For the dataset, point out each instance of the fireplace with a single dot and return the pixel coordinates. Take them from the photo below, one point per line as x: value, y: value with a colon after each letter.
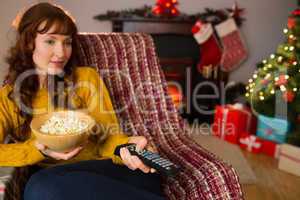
x: 178, y: 55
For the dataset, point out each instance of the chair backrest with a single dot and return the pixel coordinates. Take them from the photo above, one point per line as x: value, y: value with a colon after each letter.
x: 129, y: 66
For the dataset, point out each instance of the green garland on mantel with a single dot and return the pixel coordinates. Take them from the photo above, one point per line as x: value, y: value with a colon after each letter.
x: 145, y: 13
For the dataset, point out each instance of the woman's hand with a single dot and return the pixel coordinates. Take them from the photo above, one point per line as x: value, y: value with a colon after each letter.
x: 133, y: 162
x: 58, y: 155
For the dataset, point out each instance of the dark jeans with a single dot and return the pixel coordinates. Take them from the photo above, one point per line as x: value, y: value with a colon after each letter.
x: 93, y: 180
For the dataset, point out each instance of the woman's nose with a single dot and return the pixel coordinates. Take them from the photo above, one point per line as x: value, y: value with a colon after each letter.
x: 60, y: 51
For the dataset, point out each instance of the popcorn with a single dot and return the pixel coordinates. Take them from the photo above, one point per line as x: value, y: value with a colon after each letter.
x: 61, y: 124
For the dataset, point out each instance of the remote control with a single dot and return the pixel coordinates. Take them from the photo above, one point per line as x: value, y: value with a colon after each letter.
x: 164, y: 166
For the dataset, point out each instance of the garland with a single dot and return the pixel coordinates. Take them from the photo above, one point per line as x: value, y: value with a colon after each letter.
x: 145, y: 13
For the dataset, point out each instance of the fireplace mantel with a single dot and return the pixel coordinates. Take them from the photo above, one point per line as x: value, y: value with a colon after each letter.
x: 151, y: 26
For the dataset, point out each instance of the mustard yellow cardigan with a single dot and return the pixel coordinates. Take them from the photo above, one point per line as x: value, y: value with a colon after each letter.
x: 91, y: 94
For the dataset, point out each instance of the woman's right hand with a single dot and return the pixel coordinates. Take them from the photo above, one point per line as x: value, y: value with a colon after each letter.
x: 58, y: 155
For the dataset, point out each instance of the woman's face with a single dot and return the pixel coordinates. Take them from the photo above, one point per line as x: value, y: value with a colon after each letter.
x: 52, y: 51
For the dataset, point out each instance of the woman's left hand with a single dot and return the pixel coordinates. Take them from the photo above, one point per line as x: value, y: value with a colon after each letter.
x: 133, y: 162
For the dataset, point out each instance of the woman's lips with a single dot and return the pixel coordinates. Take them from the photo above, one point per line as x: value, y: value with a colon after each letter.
x: 57, y: 63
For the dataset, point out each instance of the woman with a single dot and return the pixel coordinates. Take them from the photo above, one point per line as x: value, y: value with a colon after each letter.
x: 42, y: 61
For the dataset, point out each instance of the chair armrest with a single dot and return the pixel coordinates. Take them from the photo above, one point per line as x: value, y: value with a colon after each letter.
x: 203, y: 175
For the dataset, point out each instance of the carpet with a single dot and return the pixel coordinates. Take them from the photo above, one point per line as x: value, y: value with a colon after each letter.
x: 229, y: 153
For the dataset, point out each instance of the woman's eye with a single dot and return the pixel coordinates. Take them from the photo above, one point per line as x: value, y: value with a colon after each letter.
x: 50, y: 42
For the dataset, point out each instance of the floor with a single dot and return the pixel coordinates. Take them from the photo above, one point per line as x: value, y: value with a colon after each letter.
x: 272, y: 183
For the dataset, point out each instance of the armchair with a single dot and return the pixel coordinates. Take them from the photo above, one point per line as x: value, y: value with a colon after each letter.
x: 129, y: 66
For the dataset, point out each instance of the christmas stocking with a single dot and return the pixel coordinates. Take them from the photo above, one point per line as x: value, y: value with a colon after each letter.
x: 233, y: 45
x: 210, y: 50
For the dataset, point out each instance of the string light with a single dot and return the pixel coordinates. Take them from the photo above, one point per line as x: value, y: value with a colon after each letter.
x: 291, y: 48
x: 247, y: 94
x: 286, y: 76
x: 285, y: 30
x: 247, y: 87
x: 261, y: 98
x: 291, y: 36
x: 282, y: 88
x: 280, y: 58
x: 265, y: 68
x: 272, y: 56
x: 295, y: 63
x: 251, y: 90
x: 268, y: 76
x: 295, y: 89
x: 254, y: 76
x: 272, y: 91
x: 264, y: 61
x: 269, y: 66
x: 261, y: 93
x: 276, y: 78
x: 286, y: 48
x: 250, y: 80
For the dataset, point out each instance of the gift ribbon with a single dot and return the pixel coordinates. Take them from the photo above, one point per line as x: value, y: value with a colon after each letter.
x: 269, y: 131
x: 277, y: 151
x: 226, y: 110
x: 223, y: 124
x: 242, y: 108
x: 250, y: 142
x: 290, y: 157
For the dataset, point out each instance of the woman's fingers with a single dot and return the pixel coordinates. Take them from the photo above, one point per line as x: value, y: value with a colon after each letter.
x: 126, y: 157
x: 140, y: 141
x: 40, y: 146
x: 58, y: 155
x: 68, y: 155
x: 140, y: 165
x: 133, y: 162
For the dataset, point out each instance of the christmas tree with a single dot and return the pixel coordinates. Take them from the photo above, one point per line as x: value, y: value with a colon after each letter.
x: 166, y: 8
x: 275, y: 84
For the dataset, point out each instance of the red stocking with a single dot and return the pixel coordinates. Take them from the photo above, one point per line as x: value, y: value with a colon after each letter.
x: 210, y: 50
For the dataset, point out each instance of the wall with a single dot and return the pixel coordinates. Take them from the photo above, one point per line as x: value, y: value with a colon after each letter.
x: 262, y: 30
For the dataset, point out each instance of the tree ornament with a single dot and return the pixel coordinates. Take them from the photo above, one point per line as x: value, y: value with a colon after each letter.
x: 235, y: 11
x: 296, y: 12
x: 282, y: 80
x: 166, y: 8
x: 264, y: 82
x: 288, y: 96
x: 291, y: 22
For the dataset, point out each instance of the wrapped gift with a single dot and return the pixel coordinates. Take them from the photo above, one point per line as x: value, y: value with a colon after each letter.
x: 274, y: 129
x: 289, y: 159
x: 270, y: 148
x: 230, y: 121
x: 251, y: 143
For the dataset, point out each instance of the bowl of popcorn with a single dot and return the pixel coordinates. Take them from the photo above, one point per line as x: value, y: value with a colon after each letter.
x: 62, y: 131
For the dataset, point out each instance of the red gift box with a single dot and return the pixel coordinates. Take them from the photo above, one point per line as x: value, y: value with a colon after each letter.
x: 231, y: 120
x: 271, y: 148
x: 251, y: 143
